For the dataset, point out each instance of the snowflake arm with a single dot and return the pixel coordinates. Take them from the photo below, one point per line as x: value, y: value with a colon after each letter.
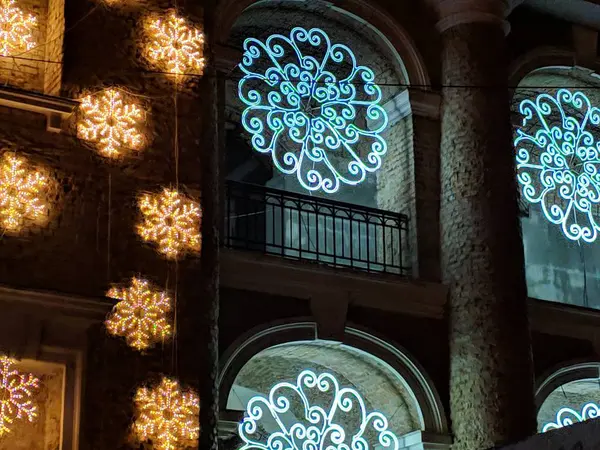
x: 16, y: 395
x: 141, y: 316
x: 172, y: 222
x: 167, y: 415
x: 21, y: 194
x: 111, y: 122
x: 16, y: 29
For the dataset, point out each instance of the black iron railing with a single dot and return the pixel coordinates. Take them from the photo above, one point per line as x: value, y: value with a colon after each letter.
x: 311, y: 228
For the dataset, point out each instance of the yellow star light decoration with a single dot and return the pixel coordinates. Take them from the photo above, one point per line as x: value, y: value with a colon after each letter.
x: 167, y: 415
x: 175, y: 45
x: 172, y: 221
x: 112, y: 122
x: 16, y: 29
x: 22, y: 194
x: 16, y: 395
x: 142, y: 315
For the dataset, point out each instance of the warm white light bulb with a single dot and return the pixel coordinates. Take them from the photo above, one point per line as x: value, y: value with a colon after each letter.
x: 175, y: 45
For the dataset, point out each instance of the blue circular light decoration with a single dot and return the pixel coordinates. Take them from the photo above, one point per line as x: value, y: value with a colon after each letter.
x: 314, y: 413
x: 558, y: 159
x: 312, y: 108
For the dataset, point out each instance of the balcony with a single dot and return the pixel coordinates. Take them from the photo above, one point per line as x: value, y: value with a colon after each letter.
x: 309, y: 228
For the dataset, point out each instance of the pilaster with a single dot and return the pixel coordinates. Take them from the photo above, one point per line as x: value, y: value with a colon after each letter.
x: 491, y: 379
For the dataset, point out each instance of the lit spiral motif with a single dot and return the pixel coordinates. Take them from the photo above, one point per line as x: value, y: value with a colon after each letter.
x: 339, y: 421
x: 312, y: 108
x: 568, y: 416
x: 558, y: 158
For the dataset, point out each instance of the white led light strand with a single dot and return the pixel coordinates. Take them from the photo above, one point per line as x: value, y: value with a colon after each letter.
x: 319, y: 428
x: 312, y: 108
x: 568, y: 416
x: 558, y: 157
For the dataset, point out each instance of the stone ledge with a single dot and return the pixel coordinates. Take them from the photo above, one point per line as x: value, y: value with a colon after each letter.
x: 253, y: 271
x: 54, y: 108
x: 52, y: 304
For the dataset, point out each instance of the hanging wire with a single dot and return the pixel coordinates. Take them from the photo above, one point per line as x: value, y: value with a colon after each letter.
x: 109, y: 227
x: 429, y: 86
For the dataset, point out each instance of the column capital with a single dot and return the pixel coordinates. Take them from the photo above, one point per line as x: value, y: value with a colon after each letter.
x: 456, y: 12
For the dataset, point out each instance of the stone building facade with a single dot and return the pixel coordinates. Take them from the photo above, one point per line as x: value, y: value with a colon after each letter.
x: 413, y: 288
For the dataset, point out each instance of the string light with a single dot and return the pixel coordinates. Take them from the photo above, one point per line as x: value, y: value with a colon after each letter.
x: 16, y: 395
x: 16, y: 29
x: 175, y: 46
x: 21, y: 194
x: 141, y: 317
x: 167, y: 415
x: 172, y: 221
x: 112, y: 122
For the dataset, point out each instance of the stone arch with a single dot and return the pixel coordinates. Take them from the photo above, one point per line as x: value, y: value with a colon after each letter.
x: 568, y: 385
x: 406, y: 370
x: 392, y: 33
x: 538, y: 58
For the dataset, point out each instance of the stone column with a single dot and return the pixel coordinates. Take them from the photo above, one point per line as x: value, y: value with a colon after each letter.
x: 491, y: 375
x: 209, y: 273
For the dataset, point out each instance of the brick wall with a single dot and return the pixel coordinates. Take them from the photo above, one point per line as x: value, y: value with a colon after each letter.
x: 55, y: 29
x: 27, y: 70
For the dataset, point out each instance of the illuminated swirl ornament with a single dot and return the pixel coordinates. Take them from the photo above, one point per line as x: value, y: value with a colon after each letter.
x: 16, y: 29
x: 167, y: 415
x: 558, y: 158
x: 313, y: 108
x: 16, y: 395
x: 568, y: 416
x: 338, y: 420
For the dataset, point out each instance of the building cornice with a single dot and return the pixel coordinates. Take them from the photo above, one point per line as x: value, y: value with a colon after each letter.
x: 452, y: 13
x: 52, y: 304
x: 54, y: 108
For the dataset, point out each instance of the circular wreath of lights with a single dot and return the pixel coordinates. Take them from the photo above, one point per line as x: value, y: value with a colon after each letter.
x: 313, y: 108
x: 558, y: 159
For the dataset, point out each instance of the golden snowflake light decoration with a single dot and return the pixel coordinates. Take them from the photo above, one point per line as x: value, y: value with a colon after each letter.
x: 16, y: 29
x: 23, y: 192
x: 112, y: 121
x: 176, y: 46
x: 167, y: 415
x: 16, y: 395
x: 142, y: 315
x: 171, y: 221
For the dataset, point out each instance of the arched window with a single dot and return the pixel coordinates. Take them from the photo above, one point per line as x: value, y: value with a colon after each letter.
x: 318, y: 112
x: 556, y: 119
x: 321, y: 391
x: 568, y: 396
